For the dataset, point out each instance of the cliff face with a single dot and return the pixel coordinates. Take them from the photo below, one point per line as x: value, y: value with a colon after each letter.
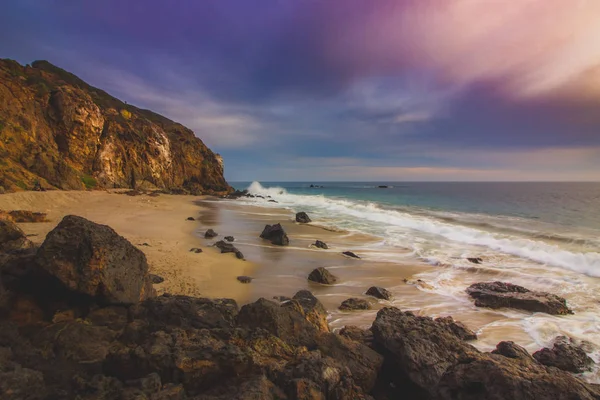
x: 57, y: 130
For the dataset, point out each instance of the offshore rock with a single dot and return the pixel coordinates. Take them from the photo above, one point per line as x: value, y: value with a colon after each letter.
x: 501, y: 294
x: 566, y: 355
x: 57, y: 131
x: 321, y: 275
x: 379, y: 293
x: 303, y: 218
x: 94, y: 260
x: 355, y: 304
x: 320, y: 245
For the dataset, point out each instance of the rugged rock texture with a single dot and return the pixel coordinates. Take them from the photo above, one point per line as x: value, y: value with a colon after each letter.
x: 458, y: 328
x: 303, y: 218
x: 355, y: 304
x: 566, y: 355
x: 321, y: 275
x: 56, y: 131
x: 88, y: 258
x: 12, y: 237
x: 275, y: 234
x: 379, y: 293
x: 209, y: 234
x: 501, y: 294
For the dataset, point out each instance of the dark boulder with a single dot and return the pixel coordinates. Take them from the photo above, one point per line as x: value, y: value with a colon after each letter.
x: 191, y: 218
x: 458, y: 328
x: 512, y: 350
x: 156, y: 279
x: 225, y: 247
x: 311, y: 309
x: 321, y: 275
x: 196, y: 250
x: 350, y: 254
x: 353, y: 304
x: 94, y: 260
x: 287, y: 323
x: 379, y: 293
x: 12, y: 237
x: 239, y: 255
x: 229, y: 238
x: 209, y: 234
x: 475, y: 260
x: 275, y: 234
x: 500, y: 294
x: 566, y: 355
x: 244, y: 279
x: 320, y: 245
x: 303, y: 218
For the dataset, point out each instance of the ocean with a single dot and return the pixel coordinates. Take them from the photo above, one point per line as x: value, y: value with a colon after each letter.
x: 541, y: 235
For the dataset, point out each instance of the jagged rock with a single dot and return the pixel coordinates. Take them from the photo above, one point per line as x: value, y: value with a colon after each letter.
x: 358, y: 335
x: 320, y: 245
x: 355, y: 304
x: 284, y: 322
x: 379, y: 293
x: 458, y: 328
x: 321, y: 275
x: 229, y: 238
x: 209, y: 234
x: 418, y: 351
x: 566, y: 355
x: 350, y: 254
x: 12, y: 237
x: 275, y: 234
x: 94, y: 260
x: 512, y: 350
x: 475, y: 260
x: 303, y: 218
x: 311, y: 308
x: 156, y: 279
x: 244, y: 279
x: 237, y: 194
x: 87, y: 139
x: 500, y: 294
x: 196, y: 250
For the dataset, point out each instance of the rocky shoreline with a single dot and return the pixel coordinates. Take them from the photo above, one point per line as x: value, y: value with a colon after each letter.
x: 79, y: 319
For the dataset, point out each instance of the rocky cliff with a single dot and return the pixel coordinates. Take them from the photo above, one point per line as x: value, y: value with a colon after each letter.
x: 60, y: 132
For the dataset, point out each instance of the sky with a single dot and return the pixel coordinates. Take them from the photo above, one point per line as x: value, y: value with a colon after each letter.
x: 362, y: 90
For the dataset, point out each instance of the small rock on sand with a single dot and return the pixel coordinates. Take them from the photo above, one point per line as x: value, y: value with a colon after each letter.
x: 321, y: 275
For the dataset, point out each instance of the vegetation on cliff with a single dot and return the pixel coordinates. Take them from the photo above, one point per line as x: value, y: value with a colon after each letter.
x: 60, y: 132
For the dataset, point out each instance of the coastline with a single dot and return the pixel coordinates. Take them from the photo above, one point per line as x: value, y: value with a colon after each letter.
x: 160, y: 222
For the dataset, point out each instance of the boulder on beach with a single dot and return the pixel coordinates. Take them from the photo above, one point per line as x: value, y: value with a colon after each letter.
x: 209, y: 234
x: 350, y: 254
x: 93, y: 259
x: 275, y: 234
x: 12, y: 237
x: 311, y: 308
x: 229, y: 238
x: 566, y: 355
x: 320, y: 245
x: 379, y: 293
x: 303, y: 218
x: 501, y: 294
x: 321, y: 275
x: 354, y: 303
x: 190, y: 219
x: 239, y: 255
x: 225, y: 247
x: 244, y: 279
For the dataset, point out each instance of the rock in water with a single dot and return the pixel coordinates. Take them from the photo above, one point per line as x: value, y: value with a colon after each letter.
x: 475, y: 260
x: 229, y: 238
x: 225, y: 247
x: 320, y: 245
x: 353, y: 304
x: 303, y: 218
x: 275, y: 234
x: 565, y: 355
x: 93, y: 259
x: 209, y: 234
x: 311, y: 308
x: 379, y: 293
x: 350, y: 254
x: 501, y: 294
x: 458, y: 328
x: 12, y: 237
x: 321, y: 275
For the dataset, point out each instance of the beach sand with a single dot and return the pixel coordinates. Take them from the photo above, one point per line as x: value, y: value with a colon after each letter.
x: 160, y: 222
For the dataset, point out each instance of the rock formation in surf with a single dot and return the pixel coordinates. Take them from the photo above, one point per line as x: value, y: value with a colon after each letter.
x: 56, y: 131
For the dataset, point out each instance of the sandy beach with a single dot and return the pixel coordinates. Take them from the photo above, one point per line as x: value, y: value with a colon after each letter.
x: 156, y: 225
